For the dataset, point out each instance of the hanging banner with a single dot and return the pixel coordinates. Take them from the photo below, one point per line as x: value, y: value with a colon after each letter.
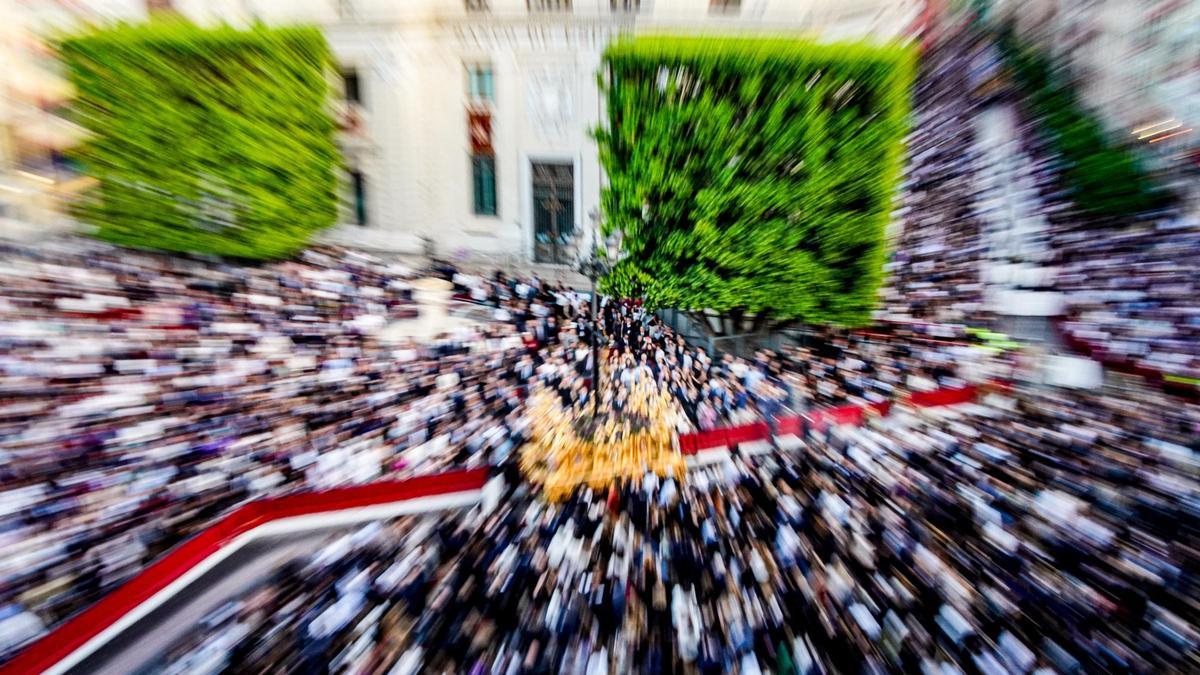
x: 480, y: 124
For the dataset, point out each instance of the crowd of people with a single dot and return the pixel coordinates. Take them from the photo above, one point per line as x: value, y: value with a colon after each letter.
x: 985, y: 208
x: 935, y: 267
x: 824, y: 369
x: 143, y: 395
x: 1045, y: 531
x: 1130, y: 291
x: 146, y: 395
x: 1135, y: 297
x: 1130, y: 294
x: 1039, y: 532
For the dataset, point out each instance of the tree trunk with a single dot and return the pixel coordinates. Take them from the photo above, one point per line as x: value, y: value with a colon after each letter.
x: 735, y: 319
x: 784, y: 325
x: 703, y: 321
x: 760, y: 320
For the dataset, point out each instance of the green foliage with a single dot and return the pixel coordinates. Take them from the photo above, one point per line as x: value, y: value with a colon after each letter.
x: 1105, y: 181
x: 753, y: 176
x: 205, y: 140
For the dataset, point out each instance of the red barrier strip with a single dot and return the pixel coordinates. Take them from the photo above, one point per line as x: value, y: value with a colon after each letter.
x: 938, y: 397
x: 703, y: 440
x: 690, y: 444
x: 883, y: 337
x: 59, y: 643
x: 107, y: 315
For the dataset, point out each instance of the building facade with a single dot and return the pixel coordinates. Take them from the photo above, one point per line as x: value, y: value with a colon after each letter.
x: 33, y: 175
x: 467, y: 123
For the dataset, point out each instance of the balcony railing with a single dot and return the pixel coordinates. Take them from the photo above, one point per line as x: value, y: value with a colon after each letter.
x: 549, y: 5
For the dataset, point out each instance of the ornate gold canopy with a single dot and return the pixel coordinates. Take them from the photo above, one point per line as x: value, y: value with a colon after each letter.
x: 572, y: 447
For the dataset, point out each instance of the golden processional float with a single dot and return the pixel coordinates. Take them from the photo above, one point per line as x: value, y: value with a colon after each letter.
x: 575, y: 446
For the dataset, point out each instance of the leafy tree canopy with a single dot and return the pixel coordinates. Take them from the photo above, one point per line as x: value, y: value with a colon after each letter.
x: 205, y: 140
x: 753, y: 176
x: 1106, y: 181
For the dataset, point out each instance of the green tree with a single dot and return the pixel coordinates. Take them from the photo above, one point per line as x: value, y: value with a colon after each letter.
x: 205, y: 140
x: 753, y: 177
x: 1106, y: 182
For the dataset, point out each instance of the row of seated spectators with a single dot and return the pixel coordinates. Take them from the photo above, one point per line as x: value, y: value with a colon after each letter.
x: 1132, y: 290
x: 1134, y: 296
x: 1034, y: 532
x: 143, y: 395
x: 934, y: 270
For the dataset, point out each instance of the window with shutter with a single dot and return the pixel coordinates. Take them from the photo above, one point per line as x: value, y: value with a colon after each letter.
x: 483, y: 170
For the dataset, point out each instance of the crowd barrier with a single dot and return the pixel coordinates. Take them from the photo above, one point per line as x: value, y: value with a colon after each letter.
x: 55, y: 647
x: 110, y: 314
x: 690, y: 444
x: 944, y: 396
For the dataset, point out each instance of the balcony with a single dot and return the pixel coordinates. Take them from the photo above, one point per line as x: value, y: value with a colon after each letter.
x: 549, y: 6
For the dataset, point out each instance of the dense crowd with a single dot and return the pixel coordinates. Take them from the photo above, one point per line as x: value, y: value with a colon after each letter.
x: 985, y: 208
x: 1135, y: 296
x: 143, y: 395
x: 817, y: 370
x: 934, y: 270
x: 1045, y: 531
x: 978, y: 541
x: 1041, y: 532
x: 146, y: 395
x: 822, y: 369
x: 1130, y: 292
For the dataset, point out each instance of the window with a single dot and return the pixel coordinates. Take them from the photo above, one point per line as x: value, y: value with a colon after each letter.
x: 483, y: 172
x: 351, y: 86
x: 359, y: 187
x: 479, y: 82
x: 625, y: 5
x: 477, y: 5
x: 724, y: 6
x: 553, y: 191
